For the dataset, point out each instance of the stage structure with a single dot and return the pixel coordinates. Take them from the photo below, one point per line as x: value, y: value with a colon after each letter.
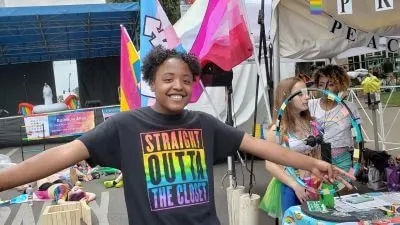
x: 32, y: 37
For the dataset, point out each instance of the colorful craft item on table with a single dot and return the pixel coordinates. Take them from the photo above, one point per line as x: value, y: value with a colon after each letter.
x: 71, y: 101
x: 315, y: 183
x: 327, y: 196
x: 25, y: 109
x: 289, y: 220
x: 316, y: 7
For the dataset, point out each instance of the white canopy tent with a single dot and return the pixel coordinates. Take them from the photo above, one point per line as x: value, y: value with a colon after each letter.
x: 302, y: 35
x: 307, y: 36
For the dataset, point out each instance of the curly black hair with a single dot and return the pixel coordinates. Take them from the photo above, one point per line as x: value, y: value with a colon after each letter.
x: 335, y: 72
x: 159, y: 54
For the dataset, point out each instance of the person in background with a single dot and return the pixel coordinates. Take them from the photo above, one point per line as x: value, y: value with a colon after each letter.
x: 296, y: 125
x: 333, y: 117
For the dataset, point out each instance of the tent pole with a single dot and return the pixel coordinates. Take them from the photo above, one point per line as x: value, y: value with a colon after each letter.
x: 277, y: 63
x: 263, y: 78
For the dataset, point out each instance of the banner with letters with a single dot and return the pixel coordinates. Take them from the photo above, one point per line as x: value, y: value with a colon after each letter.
x: 346, y: 6
x: 59, y: 124
x: 340, y: 29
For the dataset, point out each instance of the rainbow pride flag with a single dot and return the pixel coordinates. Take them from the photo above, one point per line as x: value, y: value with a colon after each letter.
x: 129, y: 74
x: 25, y: 109
x: 316, y: 7
x: 71, y: 101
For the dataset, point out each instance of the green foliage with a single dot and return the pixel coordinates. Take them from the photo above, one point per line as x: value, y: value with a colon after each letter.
x: 171, y: 8
x: 394, y: 99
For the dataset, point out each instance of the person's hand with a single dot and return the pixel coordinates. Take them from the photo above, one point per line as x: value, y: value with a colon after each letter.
x: 88, y: 177
x: 301, y: 193
x: 329, y: 173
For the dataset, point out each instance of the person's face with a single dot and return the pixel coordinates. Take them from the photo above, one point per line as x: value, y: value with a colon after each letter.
x: 328, y: 84
x: 300, y: 101
x: 172, y: 85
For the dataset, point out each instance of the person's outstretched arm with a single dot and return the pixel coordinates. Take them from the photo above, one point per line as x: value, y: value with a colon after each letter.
x: 277, y: 154
x: 44, y: 164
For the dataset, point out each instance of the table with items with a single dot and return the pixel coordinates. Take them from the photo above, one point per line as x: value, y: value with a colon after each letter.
x: 377, y: 208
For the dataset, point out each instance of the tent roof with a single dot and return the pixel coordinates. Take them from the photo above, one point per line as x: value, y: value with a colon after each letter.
x: 51, y: 33
x: 306, y: 36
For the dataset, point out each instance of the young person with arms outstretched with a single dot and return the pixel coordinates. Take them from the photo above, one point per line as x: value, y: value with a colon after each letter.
x: 165, y: 152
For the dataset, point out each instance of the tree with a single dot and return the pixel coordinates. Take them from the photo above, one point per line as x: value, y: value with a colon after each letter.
x: 171, y: 8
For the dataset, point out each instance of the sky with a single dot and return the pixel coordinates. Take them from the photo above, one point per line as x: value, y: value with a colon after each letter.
x: 62, y: 69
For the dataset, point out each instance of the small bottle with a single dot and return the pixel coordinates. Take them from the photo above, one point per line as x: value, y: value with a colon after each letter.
x: 29, y: 192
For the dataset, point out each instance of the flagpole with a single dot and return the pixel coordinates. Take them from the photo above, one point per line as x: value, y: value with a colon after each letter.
x: 209, y: 99
x: 266, y: 99
x: 277, y: 60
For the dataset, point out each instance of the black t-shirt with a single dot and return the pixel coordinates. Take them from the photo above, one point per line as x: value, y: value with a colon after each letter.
x: 166, y: 161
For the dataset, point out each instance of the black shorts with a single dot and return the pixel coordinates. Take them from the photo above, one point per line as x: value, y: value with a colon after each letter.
x: 46, y: 185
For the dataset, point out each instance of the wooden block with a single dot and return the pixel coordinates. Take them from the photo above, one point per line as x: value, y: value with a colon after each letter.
x: 68, y: 218
x: 86, y: 213
x: 65, y: 214
x: 69, y: 213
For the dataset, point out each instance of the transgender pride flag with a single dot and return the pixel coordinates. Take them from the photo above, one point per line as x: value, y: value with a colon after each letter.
x: 129, y: 74
x: 156, y: 29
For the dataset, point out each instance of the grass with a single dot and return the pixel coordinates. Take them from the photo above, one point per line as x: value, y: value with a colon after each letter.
x: 394, y: 99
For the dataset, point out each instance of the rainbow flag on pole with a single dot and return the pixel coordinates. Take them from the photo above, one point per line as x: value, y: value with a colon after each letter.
x: 316, y: 7
x: 129, y: 74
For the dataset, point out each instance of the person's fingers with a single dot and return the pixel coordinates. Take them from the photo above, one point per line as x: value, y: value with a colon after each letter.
x: 299, y: 197
x: 317, y: 173
x: 339, y: 171
x: 343, y: 181
x: 307, y: 195
x: 330, y: 173
x: 311, y: 190
x: 326, y: 179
